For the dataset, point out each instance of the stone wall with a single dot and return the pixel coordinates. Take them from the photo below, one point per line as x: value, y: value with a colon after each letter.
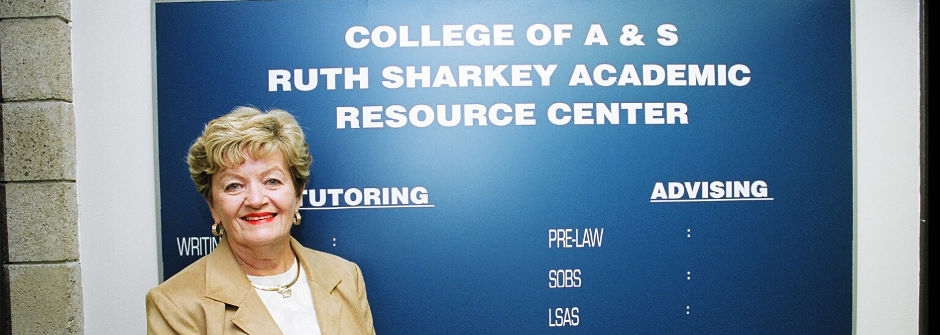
x: 40, y: 291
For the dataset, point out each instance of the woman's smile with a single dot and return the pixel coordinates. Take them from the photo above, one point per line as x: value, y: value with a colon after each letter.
x: 259, y: 218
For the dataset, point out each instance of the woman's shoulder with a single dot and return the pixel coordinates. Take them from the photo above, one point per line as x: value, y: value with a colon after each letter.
x: 182, y: 304
x: 189, y: 282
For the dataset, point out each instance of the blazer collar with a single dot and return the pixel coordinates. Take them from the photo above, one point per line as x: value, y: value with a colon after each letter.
x: 322, y: 281
x: 227, y: 283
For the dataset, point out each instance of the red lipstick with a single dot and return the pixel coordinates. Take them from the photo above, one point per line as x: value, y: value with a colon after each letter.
x: 259, y: 218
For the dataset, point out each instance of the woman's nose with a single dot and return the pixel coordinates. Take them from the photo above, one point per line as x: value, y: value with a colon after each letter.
x: 255, y: 196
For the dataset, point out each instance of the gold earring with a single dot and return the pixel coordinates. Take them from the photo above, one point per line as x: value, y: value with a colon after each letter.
x: 297, y: 218
x: 217, y: 229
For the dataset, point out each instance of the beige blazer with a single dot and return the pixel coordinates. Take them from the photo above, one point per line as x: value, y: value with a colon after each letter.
x: 213, y: 296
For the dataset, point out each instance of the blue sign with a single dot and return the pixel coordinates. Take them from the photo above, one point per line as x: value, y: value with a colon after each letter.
x: 650, y: 167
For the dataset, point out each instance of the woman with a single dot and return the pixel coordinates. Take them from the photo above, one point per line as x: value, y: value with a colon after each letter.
x: 252, y: 167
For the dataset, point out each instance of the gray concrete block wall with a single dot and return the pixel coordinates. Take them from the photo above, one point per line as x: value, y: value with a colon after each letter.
x: 36, y: 59
x: 44, y: 298
x: 40, y: 281
x: 38, y: 141
x: 36, y: 8
x: 41, y: 221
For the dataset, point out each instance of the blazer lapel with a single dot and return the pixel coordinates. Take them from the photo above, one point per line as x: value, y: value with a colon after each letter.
x: 322, y: 281
x: 225, y: 282
x: 253, y: 318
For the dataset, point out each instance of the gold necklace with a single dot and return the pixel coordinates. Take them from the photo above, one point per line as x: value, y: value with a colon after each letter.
x: 284, y: 290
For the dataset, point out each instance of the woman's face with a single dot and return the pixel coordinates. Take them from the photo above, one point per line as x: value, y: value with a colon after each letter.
x: 255, y: 201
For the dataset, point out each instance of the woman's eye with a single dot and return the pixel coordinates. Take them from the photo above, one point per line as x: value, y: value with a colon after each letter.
x: 273, y: 182
x: 232, y: 187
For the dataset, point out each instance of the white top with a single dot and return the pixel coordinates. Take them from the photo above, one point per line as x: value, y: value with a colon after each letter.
x: 294, y: 314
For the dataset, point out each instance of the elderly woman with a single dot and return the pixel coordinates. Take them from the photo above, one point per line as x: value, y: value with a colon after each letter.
x: 251, y: 167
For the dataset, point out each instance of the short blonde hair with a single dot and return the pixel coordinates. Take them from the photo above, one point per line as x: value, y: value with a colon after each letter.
x: 259, y: 134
